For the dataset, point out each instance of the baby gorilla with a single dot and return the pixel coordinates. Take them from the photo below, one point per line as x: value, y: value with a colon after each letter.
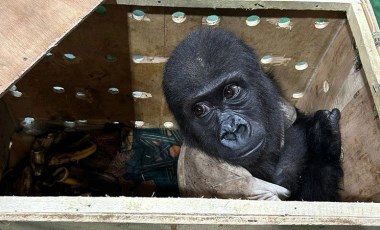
x: 229, y: 108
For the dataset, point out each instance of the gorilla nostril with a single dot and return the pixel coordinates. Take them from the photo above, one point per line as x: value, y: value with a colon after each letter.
x: 229, y: 136
x: 241, y: 129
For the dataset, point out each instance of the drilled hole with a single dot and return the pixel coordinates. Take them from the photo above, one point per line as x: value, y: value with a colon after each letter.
x: 137, y: 58
x: 82, y: 122
x: 27, y: 121
x: 110, y: 58
x: 302, y: 65
x: 139, y: 123
x: 58, y: 89
x: 113, y: 90
x: 69, y: 56
x: 80, y: 95
x: 178, y: 17
x: 267, y: 59
x: 100, y: 9
x: 138, y: 15
x: 212, y: 20
x: 16, y: 93
x: 168, y: 125
x: 69, y: 124
x: 139, y: 94
x: 252, y: 20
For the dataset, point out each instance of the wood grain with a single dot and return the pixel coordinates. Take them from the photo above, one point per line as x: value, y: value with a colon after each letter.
x: 187, y: 211
x: 30, y: 28
x: 116, y: 33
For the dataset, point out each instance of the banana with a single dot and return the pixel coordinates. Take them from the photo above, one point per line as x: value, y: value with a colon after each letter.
x: 73, y: 156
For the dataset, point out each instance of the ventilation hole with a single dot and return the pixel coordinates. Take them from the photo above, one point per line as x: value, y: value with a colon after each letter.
x: 13, y: 88
x: 252, y: 20
x: 139, y: 94
x: 321, y: 23
x: 302, y: 65
x: 27, y: 121
x: 48, y: 54
x: 16, y: 93
x: 100, y: 9
x: 69, y: 56
x: 138, y: 15
x: 113, y: 90
x: 284, y: 22
x: 326, y: 86
x: 212, y: 20
x: 267, y: 59
x: 139, y: 123
x: 82, y: 122
x: 168, y: 125
x: 69, y: 124
x: 297, y: 95
x: 178, y: 17
x: 110, y: 58
x: 80, y: 95
x: 137, y: 58
x: 58, y: 89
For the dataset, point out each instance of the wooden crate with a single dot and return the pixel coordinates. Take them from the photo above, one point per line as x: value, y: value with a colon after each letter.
x: 104, y: 45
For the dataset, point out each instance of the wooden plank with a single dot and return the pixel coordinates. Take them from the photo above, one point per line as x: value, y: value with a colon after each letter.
x: 6, y: 225
x: 186, y: 211
x: 28, y: 29
x: 335, y: 5
x: 367, y: 50
x: 360, y: 144
x: 329, y: 76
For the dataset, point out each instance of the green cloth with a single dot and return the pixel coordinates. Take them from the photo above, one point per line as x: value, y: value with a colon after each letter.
x: 376, y: 8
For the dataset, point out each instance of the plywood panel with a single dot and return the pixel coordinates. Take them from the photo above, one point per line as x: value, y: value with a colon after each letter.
x: 360, y: 130
x: 29, y: 28
x: 115, y: 32
x: 331, y: 72
x: 91, y: 73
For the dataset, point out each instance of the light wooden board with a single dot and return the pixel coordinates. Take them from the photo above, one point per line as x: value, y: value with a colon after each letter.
x: 367, y: 50
x: 6, y: 225
x: 30, y: 28
x: 187, y: 211
x: 337, y: 5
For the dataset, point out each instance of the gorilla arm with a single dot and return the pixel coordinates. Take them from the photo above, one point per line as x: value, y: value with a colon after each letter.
x: 200, y: 175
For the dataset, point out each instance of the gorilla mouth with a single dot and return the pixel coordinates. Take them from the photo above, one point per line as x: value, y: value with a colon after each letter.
x: 251, y: 151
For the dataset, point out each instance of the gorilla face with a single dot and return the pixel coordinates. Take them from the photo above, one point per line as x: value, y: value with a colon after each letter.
x: 223, y: 102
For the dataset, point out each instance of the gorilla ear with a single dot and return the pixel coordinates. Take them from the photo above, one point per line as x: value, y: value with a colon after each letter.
x: 289, y: 113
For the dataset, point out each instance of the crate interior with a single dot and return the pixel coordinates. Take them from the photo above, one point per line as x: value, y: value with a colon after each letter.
x: 95, y: 67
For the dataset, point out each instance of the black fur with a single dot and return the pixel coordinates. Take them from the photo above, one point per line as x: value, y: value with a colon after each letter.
x: 245, y: 128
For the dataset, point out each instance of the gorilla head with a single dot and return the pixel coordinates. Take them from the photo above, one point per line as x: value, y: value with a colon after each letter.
x: 223, y: 102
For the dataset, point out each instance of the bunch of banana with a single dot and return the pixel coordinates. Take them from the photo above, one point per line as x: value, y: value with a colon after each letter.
x: 63, y: 158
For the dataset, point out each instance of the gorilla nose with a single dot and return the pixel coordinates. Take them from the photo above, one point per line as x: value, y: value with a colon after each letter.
x: 233, y: 129
x: 228, y: 135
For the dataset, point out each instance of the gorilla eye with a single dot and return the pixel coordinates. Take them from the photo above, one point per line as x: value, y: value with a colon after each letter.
x: 200, y: 110
x: 230, y: 91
